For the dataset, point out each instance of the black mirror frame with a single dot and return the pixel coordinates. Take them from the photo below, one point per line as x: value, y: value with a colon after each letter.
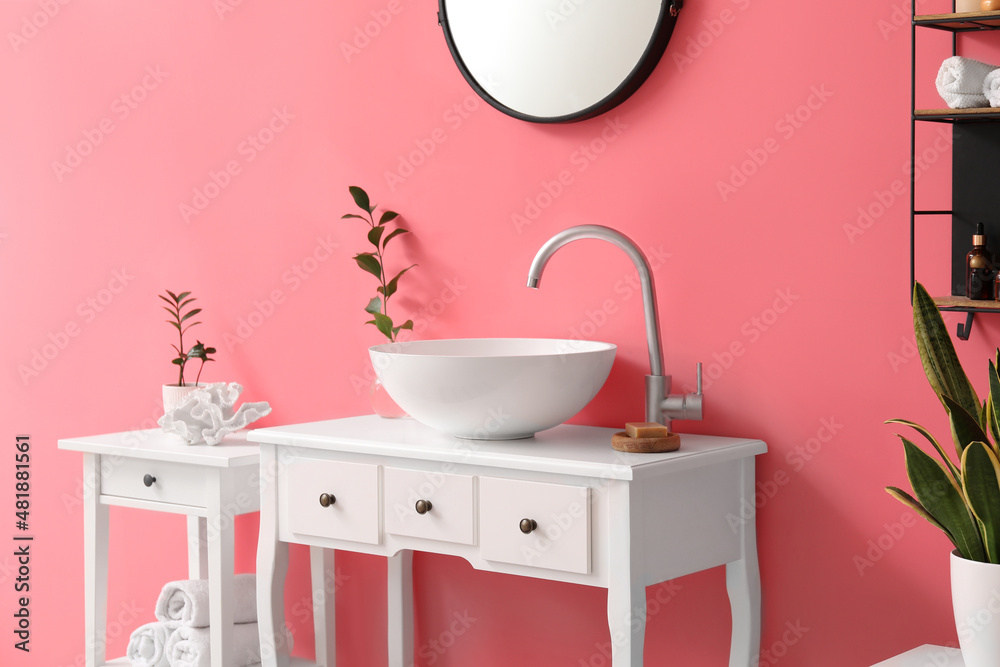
x: 665, y: 23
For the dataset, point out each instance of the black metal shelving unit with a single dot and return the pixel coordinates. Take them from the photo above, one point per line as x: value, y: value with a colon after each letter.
x: 975, y: 157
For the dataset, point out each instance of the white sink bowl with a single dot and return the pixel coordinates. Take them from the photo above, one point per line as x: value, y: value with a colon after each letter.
x: 493, y: 388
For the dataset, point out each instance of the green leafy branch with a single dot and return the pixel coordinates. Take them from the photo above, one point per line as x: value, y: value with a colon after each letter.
x: 374, y: 263
x: 178, y: 305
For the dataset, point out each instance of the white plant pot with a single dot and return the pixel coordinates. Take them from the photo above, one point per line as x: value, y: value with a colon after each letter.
x: 172, y: 394
x: 975, y: 595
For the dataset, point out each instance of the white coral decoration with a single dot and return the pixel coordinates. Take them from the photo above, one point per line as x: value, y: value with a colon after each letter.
x: 206, y: 414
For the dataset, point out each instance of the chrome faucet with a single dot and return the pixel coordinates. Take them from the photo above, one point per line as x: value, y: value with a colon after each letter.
x: 661, y: 405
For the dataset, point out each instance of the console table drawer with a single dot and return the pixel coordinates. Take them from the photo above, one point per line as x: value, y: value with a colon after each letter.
x: 333, y: 500
x: 168, y: 482
x: 432, y: 505
x: 557, y: 516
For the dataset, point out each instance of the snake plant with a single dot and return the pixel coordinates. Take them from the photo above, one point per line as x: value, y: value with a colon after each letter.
x: 961, y: 496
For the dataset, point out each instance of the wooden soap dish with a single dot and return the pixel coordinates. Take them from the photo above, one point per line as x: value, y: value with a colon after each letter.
x: 623, y: 443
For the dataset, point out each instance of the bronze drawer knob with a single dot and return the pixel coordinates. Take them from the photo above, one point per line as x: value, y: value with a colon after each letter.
x: 528, y: 525
x: 423, y: 506
x: 327, y: 499
x: 148, y: 480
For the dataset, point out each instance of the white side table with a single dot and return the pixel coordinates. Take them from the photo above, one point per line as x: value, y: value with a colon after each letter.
x: 155, y: 471
x: 926, y: 656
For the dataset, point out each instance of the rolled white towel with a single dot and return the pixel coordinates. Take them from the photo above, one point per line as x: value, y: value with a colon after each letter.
x: 186, y: 602
x: 147, y: 646
x: 991, y: 88
x: 960, y: 82
x: 191, y: 647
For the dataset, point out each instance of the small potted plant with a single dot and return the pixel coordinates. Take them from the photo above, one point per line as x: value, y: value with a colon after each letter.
x: 960, y: 495
x: 181, y: 312
x: 373, y: 262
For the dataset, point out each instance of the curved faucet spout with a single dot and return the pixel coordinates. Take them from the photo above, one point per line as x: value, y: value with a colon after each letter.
x: 639, y: 259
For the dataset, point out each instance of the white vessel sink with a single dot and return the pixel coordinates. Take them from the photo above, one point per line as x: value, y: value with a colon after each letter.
x: 493, y: 388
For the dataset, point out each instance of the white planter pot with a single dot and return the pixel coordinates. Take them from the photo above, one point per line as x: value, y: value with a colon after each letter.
x: 172, y: 394
x: 975, y: 595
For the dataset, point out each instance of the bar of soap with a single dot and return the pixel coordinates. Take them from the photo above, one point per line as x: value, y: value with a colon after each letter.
x: 646, y: 430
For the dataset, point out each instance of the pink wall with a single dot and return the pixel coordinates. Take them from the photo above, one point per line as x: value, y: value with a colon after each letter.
x: 781, y: 270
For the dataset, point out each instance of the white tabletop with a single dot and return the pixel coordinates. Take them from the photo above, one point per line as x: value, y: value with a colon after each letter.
x: 926, y: 656
x: 154, y: 444
x: 579, y: 450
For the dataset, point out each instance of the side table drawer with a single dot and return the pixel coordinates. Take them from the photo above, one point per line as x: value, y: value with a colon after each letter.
x: 177, y: 483
x: 432, y: 505
x: 332, y: 499
x: 559, y: 536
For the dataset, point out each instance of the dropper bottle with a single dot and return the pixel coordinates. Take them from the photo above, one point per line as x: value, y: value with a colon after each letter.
x: 979, y: 268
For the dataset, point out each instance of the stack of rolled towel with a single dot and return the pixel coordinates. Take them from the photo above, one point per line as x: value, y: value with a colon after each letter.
x: 964, y: 83
x: 180, y: 636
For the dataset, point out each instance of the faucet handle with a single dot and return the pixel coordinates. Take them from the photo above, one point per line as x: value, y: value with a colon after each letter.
x: 684, y: 406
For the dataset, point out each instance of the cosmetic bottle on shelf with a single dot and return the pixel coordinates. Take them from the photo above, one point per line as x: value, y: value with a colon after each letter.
x: 979, y: 268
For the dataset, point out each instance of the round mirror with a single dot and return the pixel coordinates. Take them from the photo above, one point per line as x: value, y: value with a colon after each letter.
x: 555, y: 61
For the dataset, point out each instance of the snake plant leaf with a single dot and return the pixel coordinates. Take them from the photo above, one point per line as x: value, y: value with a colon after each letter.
x: 390, y: 288
x: 937, y: 353
x: 993, y: 403
x: 914, y: 504
x: 395, y: 232
x: 387, y: 216
x: 964, y: 427
x: 930, y: 438
x: 369, y: 263
x: 936, y: 492
x: 361, y: 198
x: 981, y: 483
x: 374, y: 306
x: 375, y: 235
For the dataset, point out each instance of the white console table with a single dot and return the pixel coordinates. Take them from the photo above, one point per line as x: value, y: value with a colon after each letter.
x: 926, y: 656
x: 152, y: 470
x: 562, y: 506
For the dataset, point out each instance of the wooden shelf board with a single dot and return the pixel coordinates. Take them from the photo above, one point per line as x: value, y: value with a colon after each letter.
x: 965, y: 21
x: 944, y: 113
x: 962, y: 303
